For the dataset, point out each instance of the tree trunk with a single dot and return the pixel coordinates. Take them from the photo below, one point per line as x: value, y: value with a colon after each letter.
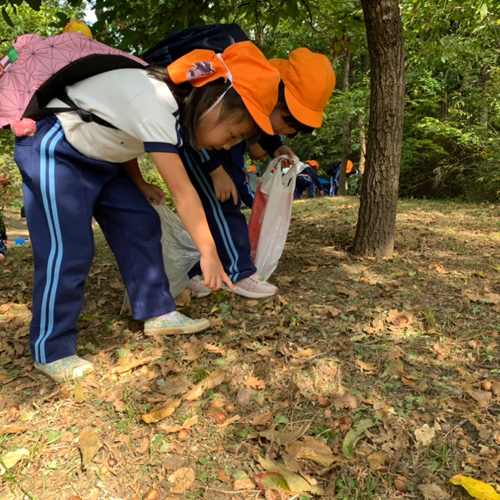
x: 377, y: 213
x: 346, y: 131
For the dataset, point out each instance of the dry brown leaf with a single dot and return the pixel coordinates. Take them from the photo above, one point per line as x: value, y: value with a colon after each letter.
x: 12, y: 429
x: 223, y: 477
x: 283, y: 438
x: 425, y: 434
x: 347, y: 401
x: 182, y: 480
x: 193, y: 351
x: 377, y: 460
x: 255, y: 383
x: 313, y: 449
x: 263, y: 419
x: 88, y: 442
x: 162, y: 412
x: 305, y: 353
x: 130, y: 365
x: 244, y: 483
x: 215, y: 379
x: 366, y: 367
x: 433, y: 492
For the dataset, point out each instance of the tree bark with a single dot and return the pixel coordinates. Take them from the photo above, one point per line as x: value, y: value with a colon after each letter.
x: 377, y: 213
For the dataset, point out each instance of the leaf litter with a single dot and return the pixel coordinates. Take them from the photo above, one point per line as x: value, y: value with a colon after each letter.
x: 361, y: 379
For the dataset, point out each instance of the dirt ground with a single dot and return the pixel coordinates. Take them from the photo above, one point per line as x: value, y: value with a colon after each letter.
x: 360, y: 380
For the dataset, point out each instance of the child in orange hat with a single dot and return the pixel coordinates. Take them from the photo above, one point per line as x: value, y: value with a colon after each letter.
x: 307, y: 82
x: 73, y: 170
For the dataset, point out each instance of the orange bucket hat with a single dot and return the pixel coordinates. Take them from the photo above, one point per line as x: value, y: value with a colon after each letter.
x: 245, y: 66
x: 309, y: 82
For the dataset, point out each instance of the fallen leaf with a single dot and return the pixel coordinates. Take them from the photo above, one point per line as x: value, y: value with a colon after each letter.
x: 245, y: 483
x: 12, y: 429
x: 88, y: 442
x: 255, y: 383
x: 162, y: 412
x: 215, y: 379
x: 296, y: 483
x: 433, y: 492
x: 283, y: 438
x: 353, y: 436
x: 377, y: 460
x: 476, y: 488
x: 12, y: 458
x: 347, y: 401
x: 182, y: 480
x: 426, y: 434
x: 267, y: 480
x: 311, y: 449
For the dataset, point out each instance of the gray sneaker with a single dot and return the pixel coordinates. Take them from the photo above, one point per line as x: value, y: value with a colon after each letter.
x: 197, y: 288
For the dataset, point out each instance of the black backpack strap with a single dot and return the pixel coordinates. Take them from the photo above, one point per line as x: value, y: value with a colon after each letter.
x: 86, y: 116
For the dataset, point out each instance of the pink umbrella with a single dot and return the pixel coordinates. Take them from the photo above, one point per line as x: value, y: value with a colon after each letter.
x: 39, y: 59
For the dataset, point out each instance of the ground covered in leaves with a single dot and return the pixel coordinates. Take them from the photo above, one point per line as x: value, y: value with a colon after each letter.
x: 362, y: 379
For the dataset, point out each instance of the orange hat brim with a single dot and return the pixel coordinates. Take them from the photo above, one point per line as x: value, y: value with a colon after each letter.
x: 302, y: 113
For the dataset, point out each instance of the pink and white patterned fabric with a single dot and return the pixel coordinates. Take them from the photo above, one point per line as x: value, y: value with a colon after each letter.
x: 38, y: 60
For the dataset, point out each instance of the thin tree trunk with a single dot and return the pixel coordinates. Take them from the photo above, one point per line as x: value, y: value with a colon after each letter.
x: 377, y: 213
x: 346, y: 131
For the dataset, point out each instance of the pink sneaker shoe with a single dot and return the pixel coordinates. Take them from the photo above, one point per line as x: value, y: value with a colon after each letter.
x: 196, y: 287
x: 253, y: 287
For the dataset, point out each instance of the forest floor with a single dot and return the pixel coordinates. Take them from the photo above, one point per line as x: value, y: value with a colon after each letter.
x: 361, y: 380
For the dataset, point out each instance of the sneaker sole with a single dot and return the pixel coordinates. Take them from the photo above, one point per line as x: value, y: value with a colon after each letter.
x: 77, y: 373
x: 249, y: 295
x: 180, y: 330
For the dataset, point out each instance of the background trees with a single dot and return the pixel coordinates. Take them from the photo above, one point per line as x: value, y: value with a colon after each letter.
x: 451, y: 142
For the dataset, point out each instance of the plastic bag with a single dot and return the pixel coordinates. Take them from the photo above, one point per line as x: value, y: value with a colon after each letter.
x: 271, y: 213
x: 179, y: 253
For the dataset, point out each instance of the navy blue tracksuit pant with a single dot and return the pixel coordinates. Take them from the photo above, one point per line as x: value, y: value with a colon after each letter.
x: 63, y: 190
x: 227, y: 223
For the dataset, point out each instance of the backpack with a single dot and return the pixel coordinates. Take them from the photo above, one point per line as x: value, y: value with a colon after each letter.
x: 216, y: 37
x: 36, y: 70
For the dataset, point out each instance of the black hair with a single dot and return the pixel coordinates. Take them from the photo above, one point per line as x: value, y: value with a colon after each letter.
x: 289, y: 119
x: 194, y: 101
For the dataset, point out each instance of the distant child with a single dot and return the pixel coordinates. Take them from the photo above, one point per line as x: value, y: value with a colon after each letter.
x: 3, y: 239
x: 74, y: 170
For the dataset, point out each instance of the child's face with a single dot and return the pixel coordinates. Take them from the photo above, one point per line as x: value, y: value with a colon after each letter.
x: 214, y: 134
x: 280, y: 127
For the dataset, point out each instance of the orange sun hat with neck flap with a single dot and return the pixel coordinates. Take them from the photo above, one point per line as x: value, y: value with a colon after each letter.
x: 309, y: 82
x: 245, y: 66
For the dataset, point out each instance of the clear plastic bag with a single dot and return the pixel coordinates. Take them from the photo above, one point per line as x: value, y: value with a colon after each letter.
x: 271, y: 214
x: 179, y: 253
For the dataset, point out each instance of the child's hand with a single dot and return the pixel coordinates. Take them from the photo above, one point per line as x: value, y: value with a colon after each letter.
x: 154, y: 194
x: 285, y: 150
x: 213, y: 273
x: 223, y: 185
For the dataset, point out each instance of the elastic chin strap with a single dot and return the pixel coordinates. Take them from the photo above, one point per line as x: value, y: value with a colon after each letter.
x: 229, y: 76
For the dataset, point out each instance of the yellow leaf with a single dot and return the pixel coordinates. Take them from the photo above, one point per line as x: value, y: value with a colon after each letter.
x: 475, y: 488
x: 10, y: 459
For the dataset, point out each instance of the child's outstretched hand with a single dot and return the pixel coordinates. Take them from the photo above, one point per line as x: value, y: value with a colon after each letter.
x: 214, y: 274
x: 154, y: 194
